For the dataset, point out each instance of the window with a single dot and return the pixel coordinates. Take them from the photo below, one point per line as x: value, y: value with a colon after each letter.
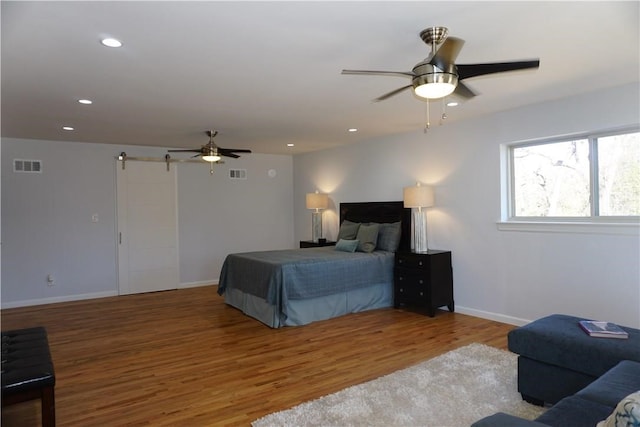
x: 579, y: 178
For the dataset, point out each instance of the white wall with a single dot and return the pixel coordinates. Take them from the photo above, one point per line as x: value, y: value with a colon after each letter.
x: 513, y: 276
x: 47, y: 227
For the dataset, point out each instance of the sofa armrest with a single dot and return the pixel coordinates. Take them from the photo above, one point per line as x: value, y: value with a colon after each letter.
x: 505, y: 420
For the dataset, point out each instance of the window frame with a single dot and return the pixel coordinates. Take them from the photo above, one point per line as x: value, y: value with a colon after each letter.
x: 550, y: 223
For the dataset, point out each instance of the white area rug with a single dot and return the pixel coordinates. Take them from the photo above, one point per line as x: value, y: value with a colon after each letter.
x: 454, y: 389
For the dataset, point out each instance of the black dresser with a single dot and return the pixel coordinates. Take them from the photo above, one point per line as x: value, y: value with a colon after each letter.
x: 423, y: 280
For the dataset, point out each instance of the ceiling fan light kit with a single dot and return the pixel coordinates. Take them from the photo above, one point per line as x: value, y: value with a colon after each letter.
x: 211, y: 155
x: 434, y: 84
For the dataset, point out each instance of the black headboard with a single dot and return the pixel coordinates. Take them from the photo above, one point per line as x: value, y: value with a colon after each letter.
x: 380, y: 212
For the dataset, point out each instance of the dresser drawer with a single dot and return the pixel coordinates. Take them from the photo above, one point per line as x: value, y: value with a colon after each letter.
x: 408, y: 261
x: 411, y: 294
x: 408, y: 277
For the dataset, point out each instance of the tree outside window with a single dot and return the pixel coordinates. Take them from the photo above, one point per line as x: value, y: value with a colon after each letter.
x: 578, y: 178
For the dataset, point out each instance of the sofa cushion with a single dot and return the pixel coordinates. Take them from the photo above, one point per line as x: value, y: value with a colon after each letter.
x: 559, y: 341
x: 574, y: 411
x: 614, y: 385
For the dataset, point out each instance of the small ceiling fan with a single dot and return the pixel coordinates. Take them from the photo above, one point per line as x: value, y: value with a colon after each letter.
x: 438, y: 75
x: 210, y: 152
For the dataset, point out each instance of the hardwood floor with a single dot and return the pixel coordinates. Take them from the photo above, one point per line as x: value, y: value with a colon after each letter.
x: 185, y: 358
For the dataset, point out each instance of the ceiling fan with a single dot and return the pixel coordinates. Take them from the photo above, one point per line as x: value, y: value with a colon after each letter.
x: 438, y: 75
x: 210, y: 152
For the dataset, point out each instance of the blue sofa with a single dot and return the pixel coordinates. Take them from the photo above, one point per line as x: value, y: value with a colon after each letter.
x: 587, y: 407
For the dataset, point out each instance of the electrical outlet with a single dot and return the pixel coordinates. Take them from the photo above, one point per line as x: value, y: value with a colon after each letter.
x: 50, y: 281
x: 94, y: 218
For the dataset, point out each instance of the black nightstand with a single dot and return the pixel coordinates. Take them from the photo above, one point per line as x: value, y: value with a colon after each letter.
x: 423, y: 280
x: 312, y: 244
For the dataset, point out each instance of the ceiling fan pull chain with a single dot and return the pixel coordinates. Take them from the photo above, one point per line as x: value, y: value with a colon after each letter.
x: 444, y: 111
x: 428, y: 124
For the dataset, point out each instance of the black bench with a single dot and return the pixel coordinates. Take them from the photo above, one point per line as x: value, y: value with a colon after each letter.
x: 27, y: 370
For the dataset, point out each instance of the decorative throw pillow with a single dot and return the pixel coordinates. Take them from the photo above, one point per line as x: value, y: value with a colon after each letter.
x: 368, y: 237
x: 348, y: 230
x: 389, y: 237
x: 627, y: 413
x: 347, y: 245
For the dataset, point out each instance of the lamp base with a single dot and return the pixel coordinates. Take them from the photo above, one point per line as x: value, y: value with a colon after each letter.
x: 419, y: 228
x: 316, y: 226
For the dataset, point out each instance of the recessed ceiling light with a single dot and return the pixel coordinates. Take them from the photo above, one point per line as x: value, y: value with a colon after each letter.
x: 109, y: 42
x: 353, y: 130
x: 67, y: 128
x: 290, y: 145
x: 452, y: 104
x: 85, y: 101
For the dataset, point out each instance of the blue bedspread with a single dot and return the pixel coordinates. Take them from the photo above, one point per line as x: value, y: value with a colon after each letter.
x: 281, y: 275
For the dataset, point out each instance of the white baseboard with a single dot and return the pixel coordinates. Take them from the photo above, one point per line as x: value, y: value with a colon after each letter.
x: 79, y: 297
x: 197, y: 284
x: 52, y: 300
x: 492, y: 316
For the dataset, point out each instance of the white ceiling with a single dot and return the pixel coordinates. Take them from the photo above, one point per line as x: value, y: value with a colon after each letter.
x: 265, y: 74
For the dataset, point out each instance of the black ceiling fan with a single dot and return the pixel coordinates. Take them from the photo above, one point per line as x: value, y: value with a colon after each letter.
x: 438, y: 75
x: 210, y: 152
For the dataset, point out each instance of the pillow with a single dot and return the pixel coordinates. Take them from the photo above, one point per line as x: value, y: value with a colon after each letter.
x: 347, y: 245
x: 389, y: 237
x: 348, y: 230
x: 627, y: 411
x: 368, y: 237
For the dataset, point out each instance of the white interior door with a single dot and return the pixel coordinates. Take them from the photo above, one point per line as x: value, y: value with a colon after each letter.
x: 147, y: 227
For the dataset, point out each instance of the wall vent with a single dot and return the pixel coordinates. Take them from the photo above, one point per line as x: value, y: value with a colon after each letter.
x: 237, y: 174
x: 27, y: 166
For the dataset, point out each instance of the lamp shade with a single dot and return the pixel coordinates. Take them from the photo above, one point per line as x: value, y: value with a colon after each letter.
x: 419, y: 196
x: 317, y: 201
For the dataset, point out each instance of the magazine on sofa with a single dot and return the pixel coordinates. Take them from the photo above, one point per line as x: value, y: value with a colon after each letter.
x: 602, y: 329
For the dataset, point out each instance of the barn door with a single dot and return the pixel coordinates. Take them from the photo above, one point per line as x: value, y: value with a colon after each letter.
x: 147, y: 227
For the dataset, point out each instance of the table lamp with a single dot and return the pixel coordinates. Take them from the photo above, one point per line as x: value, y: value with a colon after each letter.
x: 417, y: 198
x: 317, y: 201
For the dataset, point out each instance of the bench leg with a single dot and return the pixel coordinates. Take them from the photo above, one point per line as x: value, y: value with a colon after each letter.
x: 48, y: 407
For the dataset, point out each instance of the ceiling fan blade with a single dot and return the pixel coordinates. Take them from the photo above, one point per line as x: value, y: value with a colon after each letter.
x: 473, y: 70
x: 185, y: 151
x: 463, y: 91
x: 233, y: 150
x: 392, y: 93
x: 447, y: 53
x: 227, y: 154
x: 380, y: 73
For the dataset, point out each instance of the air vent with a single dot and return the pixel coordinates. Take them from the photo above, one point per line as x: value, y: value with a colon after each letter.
x: 27, y: 166
x: 237, y: 174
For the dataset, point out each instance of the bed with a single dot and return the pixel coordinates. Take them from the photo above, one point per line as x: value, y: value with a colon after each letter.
x: 299, y: 286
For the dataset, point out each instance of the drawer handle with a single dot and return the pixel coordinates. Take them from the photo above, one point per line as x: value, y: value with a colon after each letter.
x: 421, y: 294
x: 401, y: 290
x: 419, y: 262
x: 400, y: 278
x: 399, y: 261
x: 421, y: 282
